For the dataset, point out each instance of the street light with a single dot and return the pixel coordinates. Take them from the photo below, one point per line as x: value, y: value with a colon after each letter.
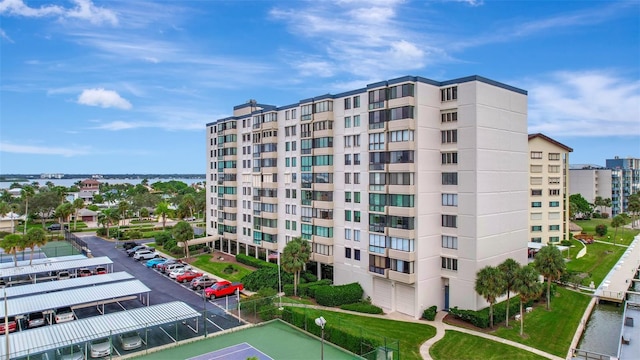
x: 204, y: 304
x: 321, y: 322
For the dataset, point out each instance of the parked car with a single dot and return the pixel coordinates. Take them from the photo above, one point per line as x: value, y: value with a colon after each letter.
x: 155, y: 262
x: 35, y: 319
x: 188, y: 276
x: 145, y: 254
x: 129, y: 244
x: 222, y: 288
x: 100, y: 348
x: 177, y: 271
x: 64, y: 314
x: 56, y: 226
x: 84, y: 272
x: 133, y: 250
x: 73, y: 352
x: 130, y: 340
x: 100, y: 270
x: 163, y: 267
x: 13, y: 325
x: 190, y: 218
x: 168, y: 269
x: 202, y: 282
x: 63, y: 275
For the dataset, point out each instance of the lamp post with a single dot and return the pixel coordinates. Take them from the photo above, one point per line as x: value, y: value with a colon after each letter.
x: 204, y: 305
x: 321, y: 322
x: 279, y: 285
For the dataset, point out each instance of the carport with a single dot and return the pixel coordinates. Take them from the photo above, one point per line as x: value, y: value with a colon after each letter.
x: 44, y: 270
x: 77, y: 298
x: 40, y: 340
x: 23, y: 263
x: 79, y: 282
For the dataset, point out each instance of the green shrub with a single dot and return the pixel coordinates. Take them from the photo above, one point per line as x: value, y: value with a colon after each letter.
x: 266, y: 277
x: 306, y: 290
x: 163, y: 237
x: 480, y: 318
x: 253, y: 262
x: 601, y: 230
x: 565, y: 242
x: 101, y: 232
x: 338, y: 295
x: 229, y: 269
x: 309, y: 277
x: 134, y: 234
x: 362, y: 307
x: 430, y: 313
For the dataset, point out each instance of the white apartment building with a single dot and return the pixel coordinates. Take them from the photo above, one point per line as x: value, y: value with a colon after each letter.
x: 591, y: 181
x: 408, y: 186
x: 548, y: 189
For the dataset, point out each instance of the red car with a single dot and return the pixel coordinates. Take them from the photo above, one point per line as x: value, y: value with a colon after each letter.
x: 188, y: 276
x: 12, y: 325
x: 84, y: 272
x: 222, y: 288
x: 100, y: 270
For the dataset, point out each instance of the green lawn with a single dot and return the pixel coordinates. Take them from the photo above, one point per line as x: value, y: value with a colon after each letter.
x: 627, y: 235
x: 550, y: 331
x: 457, y: 345
x: 218, y: 268
x: 411, y: 335
x: 597, y: 263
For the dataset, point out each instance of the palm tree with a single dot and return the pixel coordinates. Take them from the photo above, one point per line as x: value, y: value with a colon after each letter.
x: 508, y: 270
x: 183, y: 232
x: 489, y: 285
x: 616, y: 222
x: 123, y: 206
x: 26, y: 193
x: 599, y: 202
x: 11, y: 244
x: 163, y: 210
x: 78, y: 204
x: 35, y: 237
x: 4, y: 209
x: 108, y: 217
x: 295, y: 256
x: 189, y: 201
x: 527, y: 285
x: 63, y: 211
x: 14, y: 208
x: 550, y: 264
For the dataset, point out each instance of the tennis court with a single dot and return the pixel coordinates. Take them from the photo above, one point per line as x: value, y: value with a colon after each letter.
x: 275, y: 340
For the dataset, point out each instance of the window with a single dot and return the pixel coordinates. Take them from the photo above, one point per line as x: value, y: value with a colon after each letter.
x: 356, y: 216
x: 449, y: 263
x: 347, y: 234
x: 449, y: 136
x: 554, y: 192
x: 536, y: 204
x: 347, y: 253
x: 347, y: 159
x: 347, y: 196
x: 536, y: 228
x: 448, y: 94
x: 402, y: 244
x: 449, y: 157
x: 535, y: 180
x: 347, y: 122
x: 356, y: 159
x: 554, y: 156
x: 536, y: 154
x: 377, y: 243
x: 536, y: 216
x: 554, y: 180
x: 405, y: 112
x: 356, y: 120
x: 536, y: 169
x: 347, y: 215
x: 536, y: 192
x: 449, y: 221
x: 554, y: 227
x: 377, y: 98
x: 356, y: 101
x: 449, y: 199
x: 554, y: 168
x: 356, y: 235
x: 356, y: 195
x: 347, y: 103
x: 356, y: 178
x: 554, y: 239
x: 401, y: 135
x: 554, y: 204
x: 347, y: 178
x: 376, y: 141
x: 449, y: 242
x: 536, y: 239
x: 554, y: 216
x: 449, y: 116
x: 401, y: 91
x: 356, y: 254
x: 449, y: 178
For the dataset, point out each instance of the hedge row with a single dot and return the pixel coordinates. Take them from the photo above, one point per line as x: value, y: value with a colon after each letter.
x: 256, y: 263
x: 480, y: 318
x: 266, y: 277
x: 307, y: 289
x: 362, y: 307
x: 430, y: 313
x: 339, y: 295
x: 335, y: 335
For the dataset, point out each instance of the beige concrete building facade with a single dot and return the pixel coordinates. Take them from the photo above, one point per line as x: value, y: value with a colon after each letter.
x: 408, y: 186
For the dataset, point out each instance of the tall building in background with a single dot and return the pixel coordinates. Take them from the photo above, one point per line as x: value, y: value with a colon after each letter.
x: 548, y: 189
x: 625, y: 181
x: 591, y: 181
x: 408, y: 186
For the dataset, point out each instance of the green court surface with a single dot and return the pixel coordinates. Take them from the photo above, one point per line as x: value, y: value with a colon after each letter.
x: 277, y: 339
x: 59, y: 248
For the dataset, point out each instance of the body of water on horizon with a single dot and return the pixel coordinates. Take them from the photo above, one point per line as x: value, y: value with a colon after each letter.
x: 132, y: 181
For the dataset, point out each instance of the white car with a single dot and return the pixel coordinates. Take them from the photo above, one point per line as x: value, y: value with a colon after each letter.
x: 100, y: 348
x: 177, y: 272
x: 64, y: 314
x: 145, y: 254
x: 73, y: 352
x: 130, y: 340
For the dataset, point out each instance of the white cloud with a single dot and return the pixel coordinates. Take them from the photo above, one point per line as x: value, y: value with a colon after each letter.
x: 590, y: 104
x: 103, y: 98
x: 42, y: 150
x: 84, y: 10
x: 4, y: 35
x: 473, y: 3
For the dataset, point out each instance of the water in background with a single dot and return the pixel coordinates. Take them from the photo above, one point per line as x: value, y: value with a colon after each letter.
x: 602, y: 333
x: 70, y: 182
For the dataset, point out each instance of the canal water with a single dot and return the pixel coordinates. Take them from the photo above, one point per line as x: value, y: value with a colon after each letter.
x: 602, y: 333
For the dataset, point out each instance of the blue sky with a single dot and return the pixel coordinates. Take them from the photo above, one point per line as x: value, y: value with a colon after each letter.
x: 128, y: 86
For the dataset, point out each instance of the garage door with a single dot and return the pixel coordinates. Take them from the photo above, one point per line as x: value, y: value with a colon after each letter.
x: 405, y: 299
x: 382, y: 293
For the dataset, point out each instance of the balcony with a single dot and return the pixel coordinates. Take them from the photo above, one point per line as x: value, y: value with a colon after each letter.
x: 323, y: 259
x: 269, y: 245
x: 402, y: 255
x: 322, y: 240
x: 323, y: 222
x: 403, y: 233
x: 268, y: 215
x: 384, y: 274
x: 402, y: 277
x: 402, y: 124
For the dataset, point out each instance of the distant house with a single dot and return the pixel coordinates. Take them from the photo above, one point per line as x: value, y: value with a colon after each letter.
x: 9, y: 220
x: 87, y: 215
x: 88, y: 189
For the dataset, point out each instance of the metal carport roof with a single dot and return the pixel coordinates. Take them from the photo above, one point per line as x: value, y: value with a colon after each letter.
x: 22, y: 263
x: 49, y: 286
x: 54, y: 266
x: 73, y: 297
x: 41, y: 339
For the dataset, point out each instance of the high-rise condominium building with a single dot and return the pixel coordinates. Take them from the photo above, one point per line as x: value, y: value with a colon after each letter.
x: 548, y: 189
x: 408, y: 186
x: 625, y: 181
x: 591, y: 181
